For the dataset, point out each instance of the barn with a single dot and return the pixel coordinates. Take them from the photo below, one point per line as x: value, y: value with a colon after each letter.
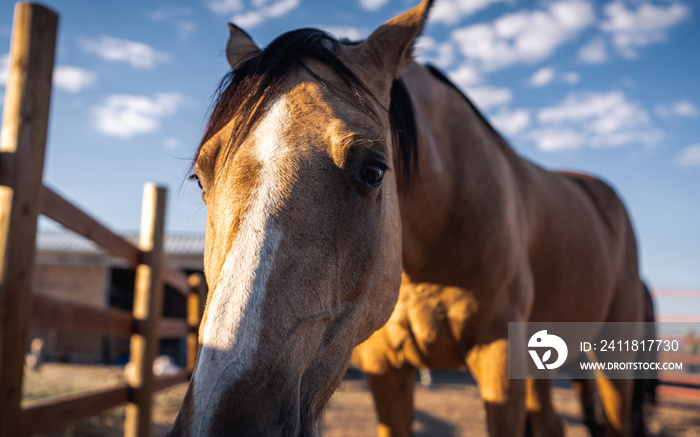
x: 74, y: 269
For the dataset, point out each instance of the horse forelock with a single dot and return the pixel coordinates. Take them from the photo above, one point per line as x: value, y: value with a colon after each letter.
x: 247, y: 92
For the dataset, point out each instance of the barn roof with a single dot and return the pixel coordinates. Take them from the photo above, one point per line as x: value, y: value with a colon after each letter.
x: 63, y: 241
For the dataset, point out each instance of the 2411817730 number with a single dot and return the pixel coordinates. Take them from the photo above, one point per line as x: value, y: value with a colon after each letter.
x: 631, y: 345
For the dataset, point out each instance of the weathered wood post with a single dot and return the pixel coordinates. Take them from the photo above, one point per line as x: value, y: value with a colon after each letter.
x: 194, y: 316
x: 23, y: 144
x: 148, y: 309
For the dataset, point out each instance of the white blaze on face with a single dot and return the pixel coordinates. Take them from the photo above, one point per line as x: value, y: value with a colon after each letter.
x: 230, y: 336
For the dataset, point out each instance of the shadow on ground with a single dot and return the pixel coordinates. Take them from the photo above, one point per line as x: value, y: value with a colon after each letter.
x: 426, y: 425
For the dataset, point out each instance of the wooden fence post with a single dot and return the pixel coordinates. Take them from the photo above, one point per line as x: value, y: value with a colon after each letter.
x: 194, y: 316
x: 24, y: 129
x: 148, y: 309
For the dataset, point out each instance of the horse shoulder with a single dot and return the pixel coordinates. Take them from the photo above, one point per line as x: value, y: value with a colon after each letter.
x: 440, y: 319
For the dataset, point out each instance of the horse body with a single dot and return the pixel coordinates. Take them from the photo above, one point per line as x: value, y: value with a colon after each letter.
x: 483, y: 217
x: 313, y: 210
x: 491, y: 238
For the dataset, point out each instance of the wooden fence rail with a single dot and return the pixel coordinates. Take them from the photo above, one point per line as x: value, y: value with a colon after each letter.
x: 60, y: 210
x: 23, y: 197
x: 24, y: 127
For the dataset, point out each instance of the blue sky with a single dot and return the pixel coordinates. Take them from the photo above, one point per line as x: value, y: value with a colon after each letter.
x: 607, y: 87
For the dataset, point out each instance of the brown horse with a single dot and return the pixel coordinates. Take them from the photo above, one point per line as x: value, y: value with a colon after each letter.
x: 430, y: 328
x: 326, y: 168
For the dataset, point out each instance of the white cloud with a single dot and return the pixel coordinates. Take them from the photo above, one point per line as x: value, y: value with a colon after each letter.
x: 349, y: 32
x: 168, y: 12
x: 73, y: 79
x: 546, y: 75
x: 570, y: 77
x: 542, y: 77
x: 524, y: 36
x: 557, y: 139
x: 137, y: 54
x: 427, y: 50
x: 126, y: 115
x: 264, y: 10
x: 647, y: 24
x: 596, y: 120
x: 684, y: 108
x: 511, y: 122
x: 4, y: 69
x: 465, y: 76
x: 486, y: 96
x: 452, y: 12
x: 601, y: 108
x: 185, y: 29
x: 66, y: 78
x: 222, y: 7
x: 248, y: 19
x: 689, y: 157
x: 176, y: 14
x: 483, y: 96
x: 372, y: 5
x: 594, y: 52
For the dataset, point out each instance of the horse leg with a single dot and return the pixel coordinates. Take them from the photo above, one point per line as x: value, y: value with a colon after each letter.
x: 616, y: 397
x: 644, y: 394
x: 623, y: 402
x: 586, y: 391
x: 393, y: 399
x: 503, y: 398
x: 542, y: 420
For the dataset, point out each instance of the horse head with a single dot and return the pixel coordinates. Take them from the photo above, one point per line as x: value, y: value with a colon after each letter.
x: 300, y: 171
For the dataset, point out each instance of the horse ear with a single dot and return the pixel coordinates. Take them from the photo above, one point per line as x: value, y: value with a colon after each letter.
x: 392, y: 43
x: 240, y: 46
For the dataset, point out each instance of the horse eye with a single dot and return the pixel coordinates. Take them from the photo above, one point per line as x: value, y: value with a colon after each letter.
x: 199, y: 182
x: 372, y: 175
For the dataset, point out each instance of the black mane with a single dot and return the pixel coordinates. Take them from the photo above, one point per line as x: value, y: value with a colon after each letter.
x: 249, y: 89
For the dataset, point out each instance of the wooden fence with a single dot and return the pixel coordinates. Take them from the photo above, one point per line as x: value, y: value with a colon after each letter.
x: 23, y: 197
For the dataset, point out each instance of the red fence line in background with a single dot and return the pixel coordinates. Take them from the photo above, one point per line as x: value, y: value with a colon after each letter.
x: 680, y: 385
x: 679, y: 293
x: 687, y: 318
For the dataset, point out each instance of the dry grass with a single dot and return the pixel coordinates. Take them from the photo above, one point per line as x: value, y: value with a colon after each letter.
x: 56, y: 379
x: 451, y: 407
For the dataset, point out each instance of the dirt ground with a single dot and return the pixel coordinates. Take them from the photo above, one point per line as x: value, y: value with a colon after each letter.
x: 449, y: 407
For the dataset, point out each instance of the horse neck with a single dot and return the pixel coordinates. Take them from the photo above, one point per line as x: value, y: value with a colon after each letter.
x: 466, y: 174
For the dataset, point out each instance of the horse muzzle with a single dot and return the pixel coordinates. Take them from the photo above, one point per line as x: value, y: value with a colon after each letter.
x: 256, y: 404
